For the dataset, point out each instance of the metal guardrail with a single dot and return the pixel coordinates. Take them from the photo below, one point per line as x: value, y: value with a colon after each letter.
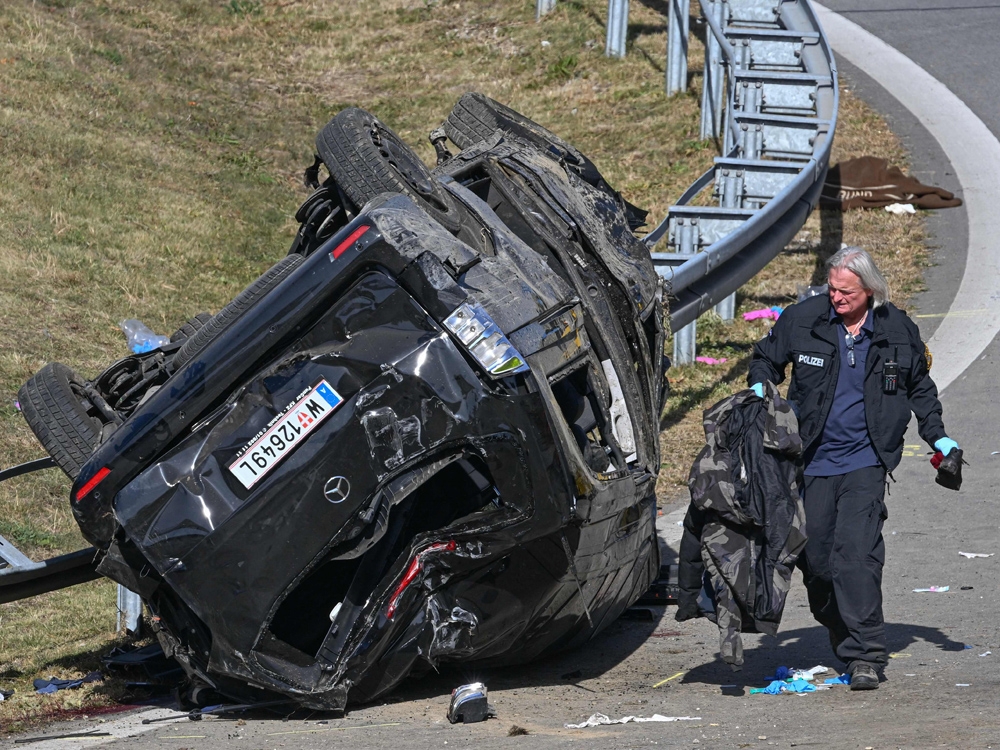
x: 770, y: 99
x: 775, y: 123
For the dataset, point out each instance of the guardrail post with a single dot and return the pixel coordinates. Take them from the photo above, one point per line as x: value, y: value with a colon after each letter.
x: 542, y: 7
x: 684, y: 344
x: 129, y: 610
x: 617, y: 28
x: 685, y: 239
x: 678, y: 29
x: 727, y: 308
x: 714, y: 76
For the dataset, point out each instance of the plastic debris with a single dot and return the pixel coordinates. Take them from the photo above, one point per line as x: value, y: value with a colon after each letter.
x: 710, y: 360
x: 932, y: 590
x: 900, y: 208
x: 986, y: 653
x: 780, y: 686
x: 671, y: 677
x: 843, y: 679
x: 52, y: 685
x: 971, y: 555
x: 597, y: 720
x: 17, y: 405
x: 764, y: 313
x: 140, y: 338
x: 961, y: 684
x: 787, y: 673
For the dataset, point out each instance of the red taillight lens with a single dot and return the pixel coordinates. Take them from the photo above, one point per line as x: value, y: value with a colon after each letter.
x: 94, y: 481
x: 411, y: 572
x: 351, y: 239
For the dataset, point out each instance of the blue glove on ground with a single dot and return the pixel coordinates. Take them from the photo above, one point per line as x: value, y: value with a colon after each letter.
x: 945, y: 445
x: 758, y: 388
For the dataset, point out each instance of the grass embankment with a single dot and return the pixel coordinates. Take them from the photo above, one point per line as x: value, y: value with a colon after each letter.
x: 152, y: 156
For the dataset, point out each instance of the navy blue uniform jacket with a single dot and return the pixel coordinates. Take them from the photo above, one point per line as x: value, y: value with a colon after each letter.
x: 805, y: 337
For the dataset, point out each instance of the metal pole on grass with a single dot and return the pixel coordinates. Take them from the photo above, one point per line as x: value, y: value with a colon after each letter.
x: 129, y: 610
x: 715, y: 76
x: 685, y: 239
x: 617, y: 28
x: 542, y: 7
x: 678, y: 29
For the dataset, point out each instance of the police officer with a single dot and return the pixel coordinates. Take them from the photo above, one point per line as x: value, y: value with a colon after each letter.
x: 858, y: 369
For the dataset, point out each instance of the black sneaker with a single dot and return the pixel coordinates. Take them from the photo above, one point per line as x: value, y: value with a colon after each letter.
x: 863, y: 676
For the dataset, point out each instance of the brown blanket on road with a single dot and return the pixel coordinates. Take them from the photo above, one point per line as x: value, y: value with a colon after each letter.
x: 868, y: 182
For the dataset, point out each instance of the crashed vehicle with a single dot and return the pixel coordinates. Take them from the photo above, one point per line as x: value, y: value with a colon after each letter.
x: 426, y: 435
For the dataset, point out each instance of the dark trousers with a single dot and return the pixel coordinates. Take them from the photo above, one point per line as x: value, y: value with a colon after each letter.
x: 843, y: 559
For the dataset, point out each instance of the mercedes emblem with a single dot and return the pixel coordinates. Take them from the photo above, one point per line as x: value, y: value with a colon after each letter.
x: 337, y: 489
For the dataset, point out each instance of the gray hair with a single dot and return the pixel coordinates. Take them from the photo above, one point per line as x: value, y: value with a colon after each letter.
x: 858, y: 261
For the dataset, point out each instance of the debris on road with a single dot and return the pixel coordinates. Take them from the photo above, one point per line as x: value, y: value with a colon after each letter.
x: 932, y: 590
x: 469, y: 705
x: 671, y: 677
x: 971, y: 555
x: 597, y: 720
x: 776, y: 687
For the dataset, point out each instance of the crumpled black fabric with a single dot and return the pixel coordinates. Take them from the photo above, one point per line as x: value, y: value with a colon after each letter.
x: 745, y: 526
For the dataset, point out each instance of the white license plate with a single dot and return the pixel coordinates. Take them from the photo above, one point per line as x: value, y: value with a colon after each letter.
x: 286, y: 431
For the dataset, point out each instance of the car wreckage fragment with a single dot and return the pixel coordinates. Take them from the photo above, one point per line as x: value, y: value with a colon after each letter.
x: 428, y: 434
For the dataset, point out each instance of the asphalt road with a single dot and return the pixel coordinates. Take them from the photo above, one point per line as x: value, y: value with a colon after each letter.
x: 941, y: 689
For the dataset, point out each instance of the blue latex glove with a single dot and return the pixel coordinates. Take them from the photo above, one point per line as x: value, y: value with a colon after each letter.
x: 758, y: 388
x: 945, y: 445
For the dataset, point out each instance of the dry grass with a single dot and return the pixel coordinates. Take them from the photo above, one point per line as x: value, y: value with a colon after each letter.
x: 152, y: 156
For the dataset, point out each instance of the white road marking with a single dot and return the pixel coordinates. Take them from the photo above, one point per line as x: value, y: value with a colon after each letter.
x: 128, y: 726
x: 974, y: 152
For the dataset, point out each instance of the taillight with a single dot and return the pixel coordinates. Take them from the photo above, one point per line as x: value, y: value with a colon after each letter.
x: 92, y: 483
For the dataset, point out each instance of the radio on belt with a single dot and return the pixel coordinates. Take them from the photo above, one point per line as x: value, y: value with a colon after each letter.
x: 890, y: 373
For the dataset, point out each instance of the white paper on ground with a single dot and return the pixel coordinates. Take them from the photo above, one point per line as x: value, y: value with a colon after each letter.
x: 599, y: 719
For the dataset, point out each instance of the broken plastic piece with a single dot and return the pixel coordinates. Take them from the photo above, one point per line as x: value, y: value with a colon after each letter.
x: 469, y: 704
x: 971, y: 555
x: 140, y: 337
x: 710, y: 360
x: 932, y: 590
x: 765, y: 313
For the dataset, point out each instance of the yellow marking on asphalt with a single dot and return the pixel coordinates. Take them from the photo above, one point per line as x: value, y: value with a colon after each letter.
x: 333, y: 729
x: 671, y: 677
x: 955, y: 313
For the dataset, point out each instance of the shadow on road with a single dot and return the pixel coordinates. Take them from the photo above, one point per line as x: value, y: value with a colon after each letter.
x: 804, y: 648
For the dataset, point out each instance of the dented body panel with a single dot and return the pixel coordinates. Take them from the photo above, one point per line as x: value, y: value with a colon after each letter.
x: 338, y: 489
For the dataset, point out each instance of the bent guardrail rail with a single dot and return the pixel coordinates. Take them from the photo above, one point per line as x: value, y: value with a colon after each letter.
x: 781, y: 102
